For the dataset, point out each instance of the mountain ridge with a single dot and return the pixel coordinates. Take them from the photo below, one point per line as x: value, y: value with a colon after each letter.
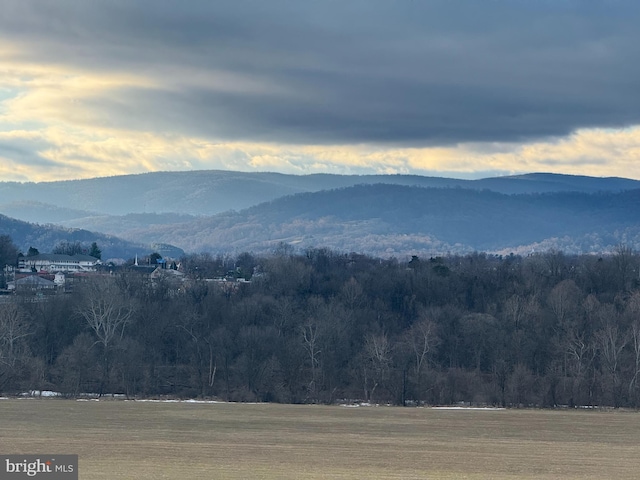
x: 576, y: 213
x: 207, y: 192
x: 397, y: 220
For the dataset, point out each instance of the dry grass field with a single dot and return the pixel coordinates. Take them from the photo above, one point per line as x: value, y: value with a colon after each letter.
x: 145, y: 440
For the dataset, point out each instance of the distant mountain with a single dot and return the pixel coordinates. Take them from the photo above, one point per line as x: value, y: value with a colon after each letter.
x: 553, y: 182
x: 46, y: 237
x: 123, y: 225
x: 213, y: 191
x: 377, y: 214
x: 39, y: 212
x: 398, y: 220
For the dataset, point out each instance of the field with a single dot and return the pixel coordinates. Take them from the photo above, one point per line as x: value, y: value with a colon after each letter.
x: 146, y: 440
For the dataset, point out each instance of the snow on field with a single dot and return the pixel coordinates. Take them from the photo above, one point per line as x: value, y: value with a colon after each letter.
x: 192, y: 400
x: 453, y: 407
x: 468, y: 408
x: 93, y: 397
x: 40, y: 393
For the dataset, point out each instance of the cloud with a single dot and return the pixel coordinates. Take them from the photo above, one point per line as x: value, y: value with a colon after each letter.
x: 360, y: 86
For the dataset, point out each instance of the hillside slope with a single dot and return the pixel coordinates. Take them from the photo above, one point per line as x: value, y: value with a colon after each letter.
x: 397, y: 220
x: 46, y: 237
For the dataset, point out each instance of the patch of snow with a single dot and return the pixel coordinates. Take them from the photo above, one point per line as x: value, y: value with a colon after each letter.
x: 202, y: 401
x: 469, y: 408
x: 40, y: 393
x: 189, y: 400
x: 155, y: 400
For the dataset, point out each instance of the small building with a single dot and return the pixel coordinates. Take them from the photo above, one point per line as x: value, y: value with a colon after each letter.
x: 59, y: 280
x: 159, y: 273
x: 32, y: 283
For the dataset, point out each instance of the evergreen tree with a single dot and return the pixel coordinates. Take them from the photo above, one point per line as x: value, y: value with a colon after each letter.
x: 94, y: 251
x: 8, y: 251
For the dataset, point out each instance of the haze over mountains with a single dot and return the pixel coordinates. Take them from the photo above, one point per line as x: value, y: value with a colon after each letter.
x: 386, y: 215
x: 213, y: 191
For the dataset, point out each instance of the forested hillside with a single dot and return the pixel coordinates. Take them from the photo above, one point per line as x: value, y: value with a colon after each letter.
x: 46, y: 237
x: 381, y: 220
x: 544, y: 330
x: 394, y: 220
x: 380, y: 215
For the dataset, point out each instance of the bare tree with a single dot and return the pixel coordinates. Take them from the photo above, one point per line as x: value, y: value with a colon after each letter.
x: 624, y: 260
x: 517, y: 308
x: 69, y: 248
x: 377, y: 362
x: 612, y: 343
x: 352, y: 294
x: 203, y: 351
x: 580, y: 353
x: 13, y: 330
x: 13, y: 349
x: 107, y: 311
x: 555, y: 263
x: 421, y: 339
x: 311, y: 341
x: 635, y: 344
x: 564, y: 301
x: 284, y: 314
x: 633, y: 310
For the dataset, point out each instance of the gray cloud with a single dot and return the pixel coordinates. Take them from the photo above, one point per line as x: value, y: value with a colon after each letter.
x: 403, y: 72
x: 25, y: 151
x: 25, y: 156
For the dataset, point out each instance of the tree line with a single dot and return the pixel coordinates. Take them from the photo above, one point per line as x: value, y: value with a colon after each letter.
x: 319, y: 327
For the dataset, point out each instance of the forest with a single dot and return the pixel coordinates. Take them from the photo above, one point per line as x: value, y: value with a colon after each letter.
x: 319, y: 326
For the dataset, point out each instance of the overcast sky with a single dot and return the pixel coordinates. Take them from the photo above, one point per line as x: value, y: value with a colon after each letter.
x: 458, y: 88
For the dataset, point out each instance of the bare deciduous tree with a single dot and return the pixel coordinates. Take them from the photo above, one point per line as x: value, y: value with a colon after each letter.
x: 352, y: 294
x: 377, y: 362
x: 421, y: 339
x: 612, y: 342
x: 311, y: 342
x: 633, y: 310
x: 13, y: 329
x: 517, y: 308
x: 201, y: 338
x: 107, y: 311
x: 564, y: 301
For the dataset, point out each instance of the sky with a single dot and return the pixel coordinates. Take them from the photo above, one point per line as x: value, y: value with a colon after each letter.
x: 456, y: 88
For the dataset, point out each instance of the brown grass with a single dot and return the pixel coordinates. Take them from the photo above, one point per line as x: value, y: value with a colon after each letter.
x: 136, y: 440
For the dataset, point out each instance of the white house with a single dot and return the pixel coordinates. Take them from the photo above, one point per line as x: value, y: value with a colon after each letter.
x: 51, y: 262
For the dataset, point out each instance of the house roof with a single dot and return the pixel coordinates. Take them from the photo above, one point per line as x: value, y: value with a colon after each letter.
x: 34, y: 281
x: 142, y: 268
